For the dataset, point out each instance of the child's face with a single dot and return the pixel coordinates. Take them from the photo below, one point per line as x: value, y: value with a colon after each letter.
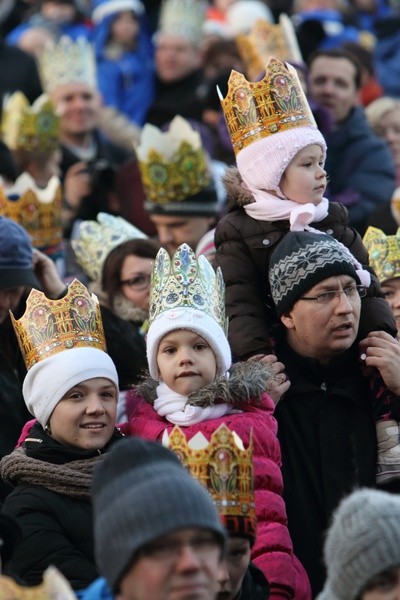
x: 185, y: 361
x: 125, y: 28
x: 304, y: 180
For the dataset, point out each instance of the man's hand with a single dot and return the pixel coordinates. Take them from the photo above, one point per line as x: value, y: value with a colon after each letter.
x: 382, y: 351
x: 47, y: 274
x: 279, y: 383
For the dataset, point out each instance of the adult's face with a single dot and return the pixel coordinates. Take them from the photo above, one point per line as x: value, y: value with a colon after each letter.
x: 174, y: 231
x: 175, y: 58
x: 234, y: 568
x: 391, y: 290
x: 9, y: 300
x: 331, y: 82
x: 322, y: 331
x: 135, y: 280
x: 78, y: 105
x: 388, y: 128
x: 180, y: 566
x: 85, y: 416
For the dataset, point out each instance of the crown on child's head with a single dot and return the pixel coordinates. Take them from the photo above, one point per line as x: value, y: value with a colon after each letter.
x: 33, y: 128
x: 38, y: 210
x: 173, y: 163
x: 51, y: 326
x: 96, y: 239
x: 67, y: 61
x: 254, y: 111
x: 265, y: 40
x: 225, y: 468
x: 384, y: 253
x: 186, y: 282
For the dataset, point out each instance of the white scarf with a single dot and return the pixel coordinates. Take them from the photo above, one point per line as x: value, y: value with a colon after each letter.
x: 175, y: 409
x: 270, y: 208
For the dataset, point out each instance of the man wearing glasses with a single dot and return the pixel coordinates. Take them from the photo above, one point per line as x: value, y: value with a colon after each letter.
x: 326, y: 419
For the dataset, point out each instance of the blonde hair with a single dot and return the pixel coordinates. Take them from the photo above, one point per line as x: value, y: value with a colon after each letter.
x: 380, y: 107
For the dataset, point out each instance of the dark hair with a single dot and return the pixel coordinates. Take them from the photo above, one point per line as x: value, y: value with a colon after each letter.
x: 340, y: 53
x: 110, y: 280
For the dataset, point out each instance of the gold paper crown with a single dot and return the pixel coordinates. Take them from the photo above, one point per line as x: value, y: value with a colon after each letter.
x: 224, y: 467
x: 182, y: 18
x: 68, y: 61
x: 53, y: 587
x: 384, y: 253
x: 254, y: 111
x: 51, y: 326
x: 266, y: 40
x: 33, y: 128
x: 185, y: 281
x: 37, y: 210
x: 97, y: 239
x: 173, y: 164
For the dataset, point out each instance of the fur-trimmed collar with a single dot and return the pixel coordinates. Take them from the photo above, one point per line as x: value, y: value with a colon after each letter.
x: 237, y: 193
x: 246, y: 383
x: 123, y: 307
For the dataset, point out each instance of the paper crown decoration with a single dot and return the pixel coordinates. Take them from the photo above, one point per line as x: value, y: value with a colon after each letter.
x: 37, y: 210
x: 182, y: 18
x: 51, y: 326
x: 225, y: 468
x: 33, y: 128
x: 257, y: 110
x: 103, y: 8
x: 266, y: 40
x: 184, y: 281
x: 67, y: 61
x: 96, y: 239
x: 173, y: 164
x: 53, y: 587
x: 384, y: 253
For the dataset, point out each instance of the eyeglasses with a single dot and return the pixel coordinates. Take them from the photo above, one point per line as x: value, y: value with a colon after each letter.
x: 140, y: 282
x: 169, y: 551
x: 352, y: 293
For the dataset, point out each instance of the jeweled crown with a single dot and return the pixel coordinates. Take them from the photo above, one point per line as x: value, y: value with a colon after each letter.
x: 38, y: 210
x: 186, y: 281
x: 67, y: 61
x: 254, y: 111
x: 96, y: 239
x: 33, y: 128
x: 173, y: 164
x: 384, y: 253
x: 224, y: 467
x: 265, y: 40
x: 182, y: 18
x: 51, y: 326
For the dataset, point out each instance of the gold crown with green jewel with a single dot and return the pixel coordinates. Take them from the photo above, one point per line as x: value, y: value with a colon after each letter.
x: 384, y: 253
x: 33, y: 128
x: 173, y: 164
x: 51, y: 326
x: 96, y: 239
x: 256, y: 110
x: 225, y: 468
x: 185, y: 281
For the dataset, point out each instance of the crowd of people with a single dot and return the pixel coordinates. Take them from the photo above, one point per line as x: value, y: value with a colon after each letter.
x: 199, y: 300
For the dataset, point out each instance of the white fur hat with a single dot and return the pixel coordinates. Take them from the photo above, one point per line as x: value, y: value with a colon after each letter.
x: 48, y: 380
x: 193, y: 320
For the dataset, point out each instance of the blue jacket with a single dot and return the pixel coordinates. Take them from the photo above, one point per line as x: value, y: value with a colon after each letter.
x: 127, y: 83
x: 98, y: 590
x: 360, y: 168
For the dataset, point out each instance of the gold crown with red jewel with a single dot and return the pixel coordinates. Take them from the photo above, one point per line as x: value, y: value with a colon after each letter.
x: 38, y: 210
x: 384, y: 253
x: 51, y: 326
x: 33, y: 128
x: 256, y: 110
x: 225, y: 468
x: 265, y: 40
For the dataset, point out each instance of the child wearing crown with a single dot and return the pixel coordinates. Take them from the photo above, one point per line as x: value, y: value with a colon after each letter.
x: 192, y: 385
x: 278, y: 187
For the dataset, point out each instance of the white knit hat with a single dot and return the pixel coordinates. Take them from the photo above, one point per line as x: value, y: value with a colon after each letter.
x: 48, y: 380
x: 193, y: 320
x: 363, y: 541
x: 262, y: 163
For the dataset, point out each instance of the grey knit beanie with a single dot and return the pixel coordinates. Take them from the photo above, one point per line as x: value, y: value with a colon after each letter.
x: 363, y: 540
x: 303, y: 259
x: 141, y: 492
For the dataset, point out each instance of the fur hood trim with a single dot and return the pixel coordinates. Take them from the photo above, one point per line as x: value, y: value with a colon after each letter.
x: 246, y: 383
x: 123, y: 307
x: 237, y: 194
